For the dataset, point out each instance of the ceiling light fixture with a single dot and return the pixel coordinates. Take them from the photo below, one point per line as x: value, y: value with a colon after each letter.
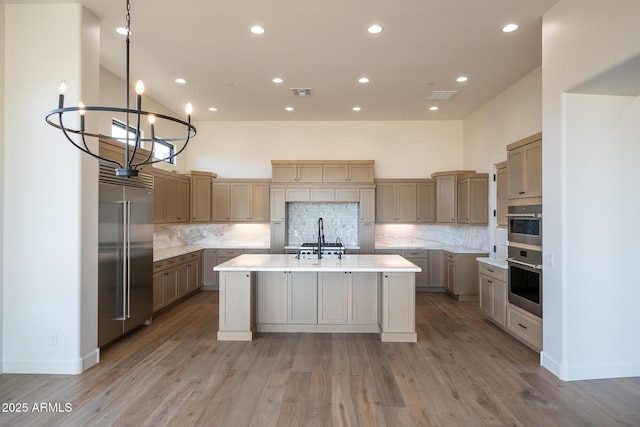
x: 257, y: 29
x: 357, y: 108
x: 434, y: 108
x: 509, y: 28
x: 462, y: 79
x: 214, y: 109
x: 289, y: 108
x: 129, y: 167
x: 363, y: 80
x: 180, y: 81
x: 375, y: 29
x: 277, y: 80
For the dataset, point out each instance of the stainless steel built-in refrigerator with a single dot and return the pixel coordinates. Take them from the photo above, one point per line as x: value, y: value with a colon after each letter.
x: 125, y: 259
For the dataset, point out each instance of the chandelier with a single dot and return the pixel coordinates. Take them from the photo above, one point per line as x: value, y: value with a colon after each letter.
x: 128, y: 167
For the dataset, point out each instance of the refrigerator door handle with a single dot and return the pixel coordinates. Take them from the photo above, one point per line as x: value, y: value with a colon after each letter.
x: 127, y: 295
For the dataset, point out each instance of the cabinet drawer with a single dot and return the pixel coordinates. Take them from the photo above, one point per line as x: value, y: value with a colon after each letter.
x: 256, y: 251
x: 415, y: 253
x: 491, y: 271
x: 525, y: 326
x: 388, y: 252
x: 183, y: 258
x: 159, y: 265
x: 194, y: 255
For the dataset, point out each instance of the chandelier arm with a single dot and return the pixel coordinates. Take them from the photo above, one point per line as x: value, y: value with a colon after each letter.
x: 149, y: 156
x: 189, y: 128
x: 84, y: 150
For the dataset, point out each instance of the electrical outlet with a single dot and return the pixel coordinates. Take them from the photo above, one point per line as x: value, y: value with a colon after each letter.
x: 549, y: 259
x: 53, y: 339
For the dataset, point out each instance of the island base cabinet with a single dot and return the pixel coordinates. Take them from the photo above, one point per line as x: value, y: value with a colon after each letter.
x: 363, y: 294
x: 398, y: 307
x: 303, y: 298
x: 237, y: 306
x: 272, y: 297
x: 346, y: 298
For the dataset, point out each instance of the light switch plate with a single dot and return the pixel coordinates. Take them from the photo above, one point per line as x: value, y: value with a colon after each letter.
x: 549, y: 259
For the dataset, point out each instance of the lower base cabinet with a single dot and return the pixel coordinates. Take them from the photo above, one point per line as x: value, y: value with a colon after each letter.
x: 525, y: 326
x: 175, y: 277
x: 461, y: 275
x: 493, y: 292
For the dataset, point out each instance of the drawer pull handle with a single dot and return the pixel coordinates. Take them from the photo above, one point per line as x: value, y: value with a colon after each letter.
x: 489, y: 270
x: 489, y: 281
x: 522, y: 326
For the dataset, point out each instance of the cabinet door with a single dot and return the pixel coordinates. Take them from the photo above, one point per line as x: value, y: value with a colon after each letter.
x: 500, y: 302
x: 533, y: 169
x: 193, y: 276
x: 335, y: 173
x: 170, y: 285
x: 183, y: 279
x: 333, y: 291
x: 209, y: 260
x: 422, y: 277
x: 303, y: 297
x: 486, y: 294
x: 278, y: 236
x: 200, y: 198
x: 406, y: 199
x: 451, y: 276
x: 284, y: 173
x: 426, y: 202
x: 386, y: 202
x: 463, y: 201
x: 446, y: 187
x: 437, y: 267
x: 171, y: 199
x: 240, y: 204
x: 363, y: 298
x: 367, y: 237
x: 515, y: 165
x: 184, y: 195
x: 479, y: 200
x: 309, y: 173
x: 361, y: 173
x: 158, y: 291
x: 367, y: 205
x: 278, y: 205
x: 259, y: 202
x: 220, y: 197
x: 501, y: 196
x: 159, y: 202
x: 272, y: 297
x: 398, y: 302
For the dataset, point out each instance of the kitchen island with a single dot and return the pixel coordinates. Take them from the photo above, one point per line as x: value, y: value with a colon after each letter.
x: 281, y: 293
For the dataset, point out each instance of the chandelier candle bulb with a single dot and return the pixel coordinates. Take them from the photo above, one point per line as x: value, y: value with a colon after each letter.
x: 189, y: 110
x: 81, y: 111
x: 61, y: 90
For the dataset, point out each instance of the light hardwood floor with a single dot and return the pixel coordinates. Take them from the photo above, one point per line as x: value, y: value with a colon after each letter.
x: 462, y: 372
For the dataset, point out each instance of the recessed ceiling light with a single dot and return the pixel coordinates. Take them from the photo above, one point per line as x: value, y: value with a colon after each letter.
x: 123, y: 31
x: 213, y: 109
x: 375, y: 29
x: 180, y: 81
x: 357, y: 109
x: 289, y: 108
x: 509, y: 28
x: 434, y: 108
x: 257, y: 29
x: 277, y: 80
x: 363, y: 80
x: 462, y: 79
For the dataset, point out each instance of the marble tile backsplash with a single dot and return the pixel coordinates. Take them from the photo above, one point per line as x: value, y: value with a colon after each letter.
x: 425, y: 235
x: 215, y: 235
x: 340, y: 220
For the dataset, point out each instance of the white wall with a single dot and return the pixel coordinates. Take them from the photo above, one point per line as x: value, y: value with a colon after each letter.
x: 514, y: 114
x: 405, y: 149
x: 590, y: 152
x: 50, y: 194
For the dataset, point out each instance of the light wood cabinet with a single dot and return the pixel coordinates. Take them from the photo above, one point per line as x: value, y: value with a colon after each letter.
x: 240, y: 201
x: 272, y: 297
x: 171, y: 197
x: 525, y: 326
x: 174, y: 278
x: 398, y: 311
x: 473, y: 199
x: 330, y: 171
x: 447, y: 195
x: 249, y: 202
x: 421, y: 259
x: 396, y: 202
x: 492, y: 282
x: 426, y: 201
x: 461, y: 275
x: 303, y: 297
x: 524, y: 169
x: 436, y: 269
x: 502, y: 194
x: 200, y: 195
x: 333, y: 294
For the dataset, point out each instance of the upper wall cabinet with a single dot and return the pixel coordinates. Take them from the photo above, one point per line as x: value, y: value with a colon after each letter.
x: 329, y: 171
x: 502, y: 194
x: 200, y: 195
x: 405, y: 201
x: 473, y: 199
x: 447, y: 195
x: 171, y: 197
x: 240, y: 201
x: 524, y: 171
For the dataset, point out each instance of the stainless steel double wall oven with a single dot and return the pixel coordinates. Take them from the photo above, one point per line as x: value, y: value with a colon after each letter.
x: 525, y: 257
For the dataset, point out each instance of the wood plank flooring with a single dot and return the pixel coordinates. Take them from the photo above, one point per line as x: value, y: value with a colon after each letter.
x: 463, y: 371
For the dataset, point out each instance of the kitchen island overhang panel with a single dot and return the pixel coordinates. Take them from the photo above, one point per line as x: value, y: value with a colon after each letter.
x: 374, y: 294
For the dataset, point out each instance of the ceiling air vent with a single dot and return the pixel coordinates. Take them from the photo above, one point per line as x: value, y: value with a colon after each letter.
x: 441, y: 95
x: 301, y: 91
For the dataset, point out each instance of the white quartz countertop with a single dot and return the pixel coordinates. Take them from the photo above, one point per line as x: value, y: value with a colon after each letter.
x: 496, y: 262
x: 161, y: 254
x: 353, y: 263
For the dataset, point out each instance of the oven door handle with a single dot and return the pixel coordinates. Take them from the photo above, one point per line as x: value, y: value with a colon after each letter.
x: 525, y: 264
x: 524, y: 215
